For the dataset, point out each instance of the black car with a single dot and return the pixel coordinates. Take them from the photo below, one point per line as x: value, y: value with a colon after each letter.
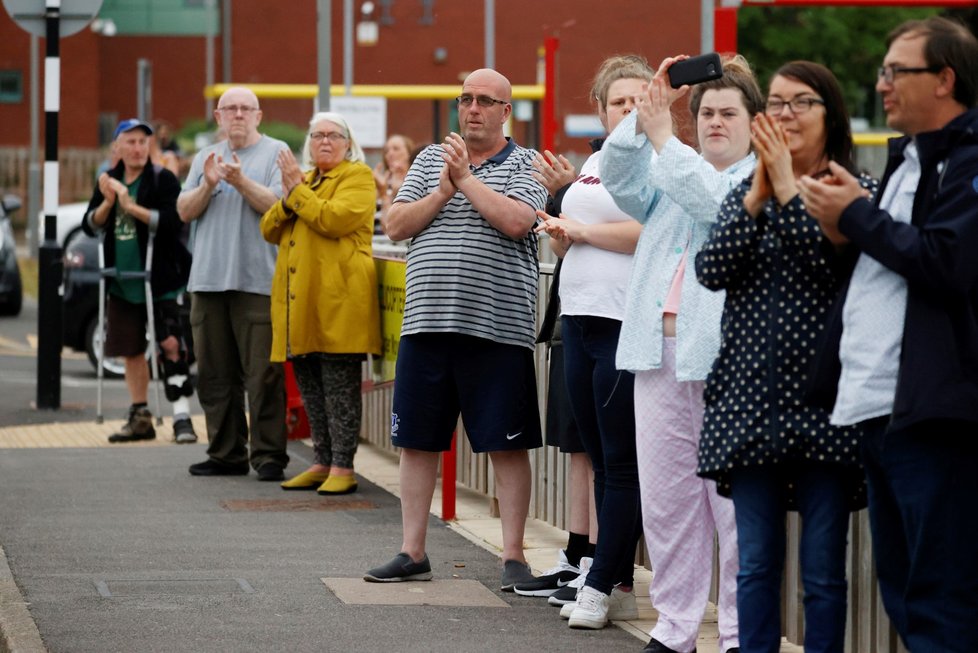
x: 80, y: 301
x: 11, y: 287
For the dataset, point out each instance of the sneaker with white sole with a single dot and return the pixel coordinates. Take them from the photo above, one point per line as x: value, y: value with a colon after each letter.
x: 590, y: 610
x: 567, y: 594
x: 551, y: 580
x: 622, y: 605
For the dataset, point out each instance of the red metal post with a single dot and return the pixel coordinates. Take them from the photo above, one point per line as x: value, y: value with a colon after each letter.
x: 448, y: 476
x: 725, y: 29
x: 549, y: 135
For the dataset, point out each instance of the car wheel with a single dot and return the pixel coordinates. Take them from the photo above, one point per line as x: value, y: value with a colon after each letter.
x: 16, y: 300
x: 114, y: 368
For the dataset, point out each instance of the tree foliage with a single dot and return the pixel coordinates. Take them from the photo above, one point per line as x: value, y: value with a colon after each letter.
x: 851, y: 42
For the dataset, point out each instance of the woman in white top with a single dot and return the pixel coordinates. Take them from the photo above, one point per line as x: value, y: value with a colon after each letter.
x: 596, y: 240
x: 671, y: 333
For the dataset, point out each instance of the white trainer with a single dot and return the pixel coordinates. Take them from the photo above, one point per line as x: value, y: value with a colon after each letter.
x: 622, y: 605
x: 590, y: 611
x: 573, y: 586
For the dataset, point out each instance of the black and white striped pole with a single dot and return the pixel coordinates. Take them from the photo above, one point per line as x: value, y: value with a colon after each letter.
x: 51, y: 19
x: 50, y: 265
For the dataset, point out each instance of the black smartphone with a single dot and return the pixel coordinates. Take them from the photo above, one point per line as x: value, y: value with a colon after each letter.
x: 701, y: 68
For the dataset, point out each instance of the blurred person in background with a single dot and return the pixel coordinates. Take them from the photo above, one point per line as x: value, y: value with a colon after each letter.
x: 398, y: 153
x: 133, y: 202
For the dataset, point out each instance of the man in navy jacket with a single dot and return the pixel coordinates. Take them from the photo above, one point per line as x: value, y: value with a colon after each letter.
x: 907, y: 366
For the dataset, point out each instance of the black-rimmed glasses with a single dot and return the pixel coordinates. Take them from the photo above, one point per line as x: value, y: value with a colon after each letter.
x: 889, y: 73
x: 484, y: 101
x: 798, y: 105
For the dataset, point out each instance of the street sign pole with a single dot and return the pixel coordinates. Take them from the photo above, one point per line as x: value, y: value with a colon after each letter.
x: 50, y: 266
x: 50, y: 19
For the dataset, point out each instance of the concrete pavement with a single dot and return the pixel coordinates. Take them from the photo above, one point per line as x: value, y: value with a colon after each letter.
x: 117, y: 548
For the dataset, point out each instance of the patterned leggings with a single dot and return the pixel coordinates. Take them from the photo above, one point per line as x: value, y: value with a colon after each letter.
x: 330, y: 389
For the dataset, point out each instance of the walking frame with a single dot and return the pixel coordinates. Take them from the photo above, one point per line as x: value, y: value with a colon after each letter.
x: 151, y: 349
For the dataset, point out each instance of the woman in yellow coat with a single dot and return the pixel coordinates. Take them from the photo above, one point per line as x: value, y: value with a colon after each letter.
x: 325, y: 312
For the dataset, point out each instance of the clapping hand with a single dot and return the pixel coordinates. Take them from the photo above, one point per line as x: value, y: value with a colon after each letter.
x: 554, y: 172
x: 106, y: 188
x: 456, y: 157
x: 291, y: 172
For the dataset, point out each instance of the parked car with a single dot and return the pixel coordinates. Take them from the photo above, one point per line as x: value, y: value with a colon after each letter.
x: 11, y: 286
x: 68, y: 220
x: 80, y: 301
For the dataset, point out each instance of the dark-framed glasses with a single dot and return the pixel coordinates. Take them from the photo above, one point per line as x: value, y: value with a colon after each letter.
x: 798, y: 105
x: 485, y: 101
x: 332, y: 137
x: 234, y: 108
x: 889, y: 73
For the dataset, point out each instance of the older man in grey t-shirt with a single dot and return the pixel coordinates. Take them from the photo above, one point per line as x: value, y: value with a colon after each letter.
x: 230, y: 185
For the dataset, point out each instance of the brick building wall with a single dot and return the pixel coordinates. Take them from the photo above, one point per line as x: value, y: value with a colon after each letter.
x: 276, y: 43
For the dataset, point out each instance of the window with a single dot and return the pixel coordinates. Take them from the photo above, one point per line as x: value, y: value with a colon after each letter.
x: 11, y: 86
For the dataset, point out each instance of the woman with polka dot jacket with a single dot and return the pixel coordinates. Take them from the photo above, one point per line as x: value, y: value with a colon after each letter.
x: 767, y: 449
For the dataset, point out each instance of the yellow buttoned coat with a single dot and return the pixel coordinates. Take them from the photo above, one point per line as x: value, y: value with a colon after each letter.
x: 324, y: 292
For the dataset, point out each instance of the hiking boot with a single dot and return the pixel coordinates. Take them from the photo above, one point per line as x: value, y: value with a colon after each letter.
x: 183, y: 431
x: 514, y: 573
x: 568, y: 594
x: 400, y: 569
x: 590, y: 609
x: 138, y: 426
x: 551, y: 580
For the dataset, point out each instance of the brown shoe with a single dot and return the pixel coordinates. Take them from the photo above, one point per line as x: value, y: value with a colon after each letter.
x: 139, y: 426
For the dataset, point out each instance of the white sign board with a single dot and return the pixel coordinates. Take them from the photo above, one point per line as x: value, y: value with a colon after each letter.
x: 74, y: 15
x: 583, y: 125
x: 367, y: 117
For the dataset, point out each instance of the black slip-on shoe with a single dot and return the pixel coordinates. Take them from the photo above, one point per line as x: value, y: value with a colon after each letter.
x: 217, y: 468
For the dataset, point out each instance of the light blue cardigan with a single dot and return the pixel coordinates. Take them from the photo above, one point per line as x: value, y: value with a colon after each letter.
x: 676, y: 194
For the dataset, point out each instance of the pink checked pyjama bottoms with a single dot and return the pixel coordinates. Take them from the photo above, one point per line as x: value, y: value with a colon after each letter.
x: 681, y: 511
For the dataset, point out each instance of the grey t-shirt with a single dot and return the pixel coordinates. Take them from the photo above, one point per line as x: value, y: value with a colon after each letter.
x: 228, y: 248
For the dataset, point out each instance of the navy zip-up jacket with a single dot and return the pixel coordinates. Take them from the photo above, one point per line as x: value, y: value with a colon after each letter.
x: 937, y: 253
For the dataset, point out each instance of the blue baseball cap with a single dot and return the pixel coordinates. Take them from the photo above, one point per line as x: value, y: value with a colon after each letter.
x: 130, y: 124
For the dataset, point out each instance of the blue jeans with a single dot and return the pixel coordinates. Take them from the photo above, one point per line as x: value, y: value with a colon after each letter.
x: 760, y: 507
x: 603, y: 402
x: 923, y: 511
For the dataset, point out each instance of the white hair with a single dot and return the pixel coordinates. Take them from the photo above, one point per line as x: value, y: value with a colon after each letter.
x: 355, y: 153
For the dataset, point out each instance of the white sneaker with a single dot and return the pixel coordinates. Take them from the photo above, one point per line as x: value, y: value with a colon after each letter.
x: 622, y: 605
x: 573, y: 586
x: 590, y: 611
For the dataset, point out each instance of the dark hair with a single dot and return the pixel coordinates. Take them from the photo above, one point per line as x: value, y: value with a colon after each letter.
x: 623, y: 66
x: 838, y: 132
x: 949, y: 44
x: 737, y: 75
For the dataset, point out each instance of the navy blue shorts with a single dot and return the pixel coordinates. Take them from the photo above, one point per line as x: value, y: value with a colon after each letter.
x: 440, y: 375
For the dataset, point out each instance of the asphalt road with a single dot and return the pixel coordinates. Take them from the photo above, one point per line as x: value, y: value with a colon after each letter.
x: 18, y: 380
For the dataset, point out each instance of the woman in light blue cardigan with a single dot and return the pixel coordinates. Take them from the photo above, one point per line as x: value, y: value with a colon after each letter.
x: 671, y: 334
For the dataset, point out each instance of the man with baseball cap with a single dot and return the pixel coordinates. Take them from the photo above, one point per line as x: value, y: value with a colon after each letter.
x: 133, y: 202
